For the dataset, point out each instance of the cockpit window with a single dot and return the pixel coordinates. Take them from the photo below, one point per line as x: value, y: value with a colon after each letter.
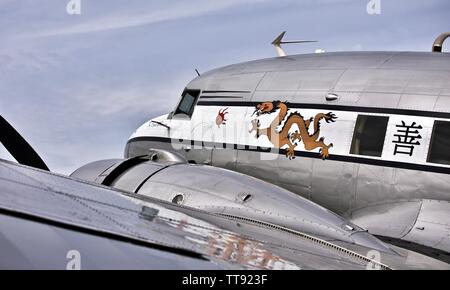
x: 187, y: 103
x: 440, y: 143
x: 368, y: 138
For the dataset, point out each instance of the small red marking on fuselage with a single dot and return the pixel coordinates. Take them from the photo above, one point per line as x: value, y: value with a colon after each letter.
x: 220, y: 119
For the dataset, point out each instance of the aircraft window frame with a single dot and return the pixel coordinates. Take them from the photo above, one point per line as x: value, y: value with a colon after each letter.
x: 194, y: 94
x: 355, y: 148
x: 435, y: 135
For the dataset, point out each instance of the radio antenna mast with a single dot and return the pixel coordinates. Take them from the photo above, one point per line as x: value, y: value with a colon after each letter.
x: 278, y: 41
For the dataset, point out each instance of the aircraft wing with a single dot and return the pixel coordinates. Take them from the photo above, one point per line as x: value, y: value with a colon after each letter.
x: 50, y: 221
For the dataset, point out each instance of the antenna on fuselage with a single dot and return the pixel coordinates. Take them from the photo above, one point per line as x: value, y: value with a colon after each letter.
x: 278, y: 41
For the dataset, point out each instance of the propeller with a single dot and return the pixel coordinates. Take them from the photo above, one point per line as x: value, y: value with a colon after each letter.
x: 18, y: 147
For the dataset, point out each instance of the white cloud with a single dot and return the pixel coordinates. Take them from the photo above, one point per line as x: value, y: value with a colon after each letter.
x: 94, y: 100
x: 357, y: 47
x: 25, y: 60
x: 179, y: 10
x: 130, y: 100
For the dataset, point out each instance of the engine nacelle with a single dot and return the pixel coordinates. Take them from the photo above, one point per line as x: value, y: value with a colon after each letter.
x: 224, y: 192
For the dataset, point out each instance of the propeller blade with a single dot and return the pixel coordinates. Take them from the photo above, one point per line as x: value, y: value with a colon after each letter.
x: 18, y: 147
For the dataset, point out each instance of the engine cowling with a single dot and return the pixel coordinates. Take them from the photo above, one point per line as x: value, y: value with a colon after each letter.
x: 223, y: 192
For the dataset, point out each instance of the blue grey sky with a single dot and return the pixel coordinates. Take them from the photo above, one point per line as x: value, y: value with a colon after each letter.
x: 76, y: 86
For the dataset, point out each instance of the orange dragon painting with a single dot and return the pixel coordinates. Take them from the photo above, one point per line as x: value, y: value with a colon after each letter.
x: 278, y: 131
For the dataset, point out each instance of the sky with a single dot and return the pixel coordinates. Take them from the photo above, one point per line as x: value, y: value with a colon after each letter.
x: 77, y: 85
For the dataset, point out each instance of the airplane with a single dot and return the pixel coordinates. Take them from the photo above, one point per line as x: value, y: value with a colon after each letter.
x: 157, y: 211
x: 172, y: 203
x: 363, y: 134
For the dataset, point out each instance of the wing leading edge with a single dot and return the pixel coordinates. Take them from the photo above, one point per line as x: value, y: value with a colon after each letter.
x: 44, y: 217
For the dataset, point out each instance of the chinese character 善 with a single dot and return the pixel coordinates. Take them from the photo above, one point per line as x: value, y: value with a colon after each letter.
x: 407, y: 138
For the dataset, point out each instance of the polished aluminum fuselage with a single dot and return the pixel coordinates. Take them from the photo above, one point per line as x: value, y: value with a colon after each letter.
x: 394, y: 195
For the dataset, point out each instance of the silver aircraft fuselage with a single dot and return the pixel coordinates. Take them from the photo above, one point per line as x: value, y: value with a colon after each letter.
x: 360, y: 133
